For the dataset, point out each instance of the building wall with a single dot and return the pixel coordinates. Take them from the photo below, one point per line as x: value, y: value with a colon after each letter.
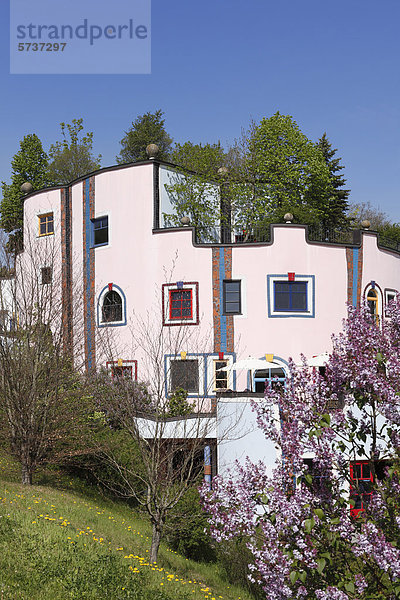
x: 138, y: 260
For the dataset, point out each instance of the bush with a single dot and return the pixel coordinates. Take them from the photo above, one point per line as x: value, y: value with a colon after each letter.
x: 187, y: 530
x: 234, y: 558
x: 96, y: 468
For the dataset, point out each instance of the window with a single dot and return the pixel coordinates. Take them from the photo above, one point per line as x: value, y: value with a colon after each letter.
x: 180, y: 304
x: 220, y: 377
x: 272, y: 377
x: 390, y: 296
x: 123, y: 369
x: 291, y: 295
x: 112, y: 307
x: 320, y: 476
x: 100, y: 231
x: 46, y: 224
x: 231, y: 297
x: 184, y: 374
x: 47, y: 275
x: 372, y: 303
x: 361, y: 480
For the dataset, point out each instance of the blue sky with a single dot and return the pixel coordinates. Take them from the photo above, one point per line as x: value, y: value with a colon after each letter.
x: 216, y: 64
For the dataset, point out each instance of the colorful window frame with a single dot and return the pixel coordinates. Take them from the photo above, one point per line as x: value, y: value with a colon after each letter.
x: 46, y: 224
x: 221, y: 378
x: 373, y: 300
x: 180, y: 303
x: 361, y: 480
x: 119, y: 368
x: 294, y: 308
x: 101, y: 320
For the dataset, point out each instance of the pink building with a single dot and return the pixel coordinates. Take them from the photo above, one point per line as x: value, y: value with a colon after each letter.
x: 215, y: 303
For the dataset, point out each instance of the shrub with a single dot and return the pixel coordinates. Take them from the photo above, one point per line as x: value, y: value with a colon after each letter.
x: 187, y: 531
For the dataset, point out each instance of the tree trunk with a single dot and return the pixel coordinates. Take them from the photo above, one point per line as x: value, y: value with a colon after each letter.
x: 155, y: 541
x: 26, y: 469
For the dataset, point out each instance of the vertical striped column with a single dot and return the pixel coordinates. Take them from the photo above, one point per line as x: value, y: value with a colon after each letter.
x: 88, y: 273
x: 223, y: 324
x: 354, y: 259
x: 66, y: 272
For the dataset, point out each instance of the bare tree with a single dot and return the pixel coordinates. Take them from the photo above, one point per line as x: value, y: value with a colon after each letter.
x: 41, y: 394
x: 168, y: 430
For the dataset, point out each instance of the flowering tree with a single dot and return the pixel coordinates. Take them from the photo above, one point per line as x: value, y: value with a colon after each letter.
x: 302, y: 524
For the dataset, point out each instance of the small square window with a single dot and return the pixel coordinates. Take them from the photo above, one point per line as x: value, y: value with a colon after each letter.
x: 122, y: 369
x: 180, y: 304
x: 290, y: 296
x: 121, y: 372
x: 231, y: 297
x: 46, y: 224
x: 100, y: 231
x: 47, y: 275
x: 184, y: 374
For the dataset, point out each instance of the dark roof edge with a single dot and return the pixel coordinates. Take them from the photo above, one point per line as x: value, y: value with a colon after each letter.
x: 106, y: 170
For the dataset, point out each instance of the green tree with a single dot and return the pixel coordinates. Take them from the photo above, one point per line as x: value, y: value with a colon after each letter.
x: 29, y: 164
x: 73, y: 156
x: 291, y: 174
x: 338, y: 197
x: 146, y: 129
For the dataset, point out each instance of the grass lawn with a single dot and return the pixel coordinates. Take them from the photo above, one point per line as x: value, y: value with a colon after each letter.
x: 60, y: 540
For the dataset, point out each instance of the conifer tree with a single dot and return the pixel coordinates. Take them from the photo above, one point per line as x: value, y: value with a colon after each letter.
x: 338, y: 204
x: 146, y: 129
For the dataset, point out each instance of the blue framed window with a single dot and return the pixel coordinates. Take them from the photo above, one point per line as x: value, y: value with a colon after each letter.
x: 290, y: 296
x: 100, y: 231
x: 273, y: 377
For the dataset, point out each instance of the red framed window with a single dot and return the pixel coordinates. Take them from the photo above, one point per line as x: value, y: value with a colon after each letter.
x: 122, y: 368
x: 180, y: 304
x: 361, y: 480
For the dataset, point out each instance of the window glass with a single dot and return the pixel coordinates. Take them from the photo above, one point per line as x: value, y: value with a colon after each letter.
x: 231, y: 297
x: 360, y: 485
x: 184, y: 374
x: 180, y: 304
x: 100, y: 231
x: 46, y: 224
x: 47, y: 275
x: 112, y: 307
x: 121, y: 372
x: 221, y: 377
x: 273, y: 377
x: 290, y: 296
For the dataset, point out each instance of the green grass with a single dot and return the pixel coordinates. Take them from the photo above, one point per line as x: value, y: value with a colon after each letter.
x: 62, y: 540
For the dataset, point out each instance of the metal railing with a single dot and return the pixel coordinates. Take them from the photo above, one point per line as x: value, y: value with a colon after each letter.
x: 256, y: 234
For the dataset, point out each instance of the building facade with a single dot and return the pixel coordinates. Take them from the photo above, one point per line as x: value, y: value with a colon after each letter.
x: 216, y: 303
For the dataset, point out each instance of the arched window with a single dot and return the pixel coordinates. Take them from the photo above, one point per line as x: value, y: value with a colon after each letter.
x: 372, y: 304
x: 112, y: 307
